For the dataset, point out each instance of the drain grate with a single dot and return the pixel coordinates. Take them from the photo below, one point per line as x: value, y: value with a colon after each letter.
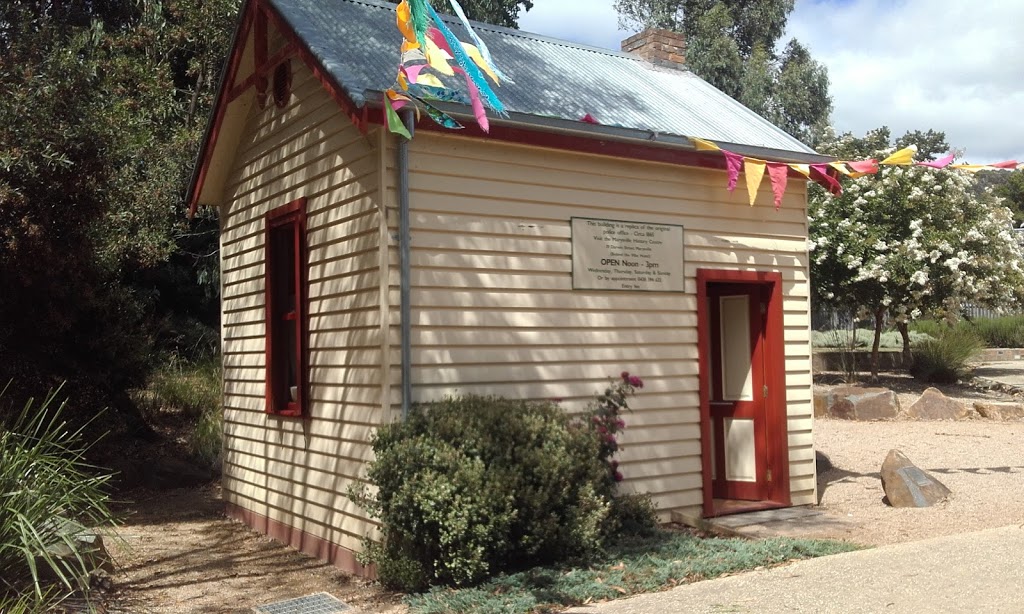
x: 320, y: 603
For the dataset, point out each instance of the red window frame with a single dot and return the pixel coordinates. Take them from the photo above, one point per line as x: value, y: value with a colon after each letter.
x: 281, y: 222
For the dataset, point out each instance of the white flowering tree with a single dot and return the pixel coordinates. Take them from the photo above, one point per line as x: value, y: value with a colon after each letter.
x: 908, y: 241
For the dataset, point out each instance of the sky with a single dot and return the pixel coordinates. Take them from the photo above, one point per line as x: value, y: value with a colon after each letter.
x: 950, y: 65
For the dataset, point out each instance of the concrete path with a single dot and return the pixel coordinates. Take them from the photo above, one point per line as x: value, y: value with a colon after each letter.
x: 973, y: 572
x: 1009, y: 373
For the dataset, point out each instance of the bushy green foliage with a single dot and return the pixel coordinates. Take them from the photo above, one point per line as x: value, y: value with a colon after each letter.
x: 473, y: 485
x: 943, y: 359
x: 1001, y: 332
x: 629, y: 567
x: 44, y: 481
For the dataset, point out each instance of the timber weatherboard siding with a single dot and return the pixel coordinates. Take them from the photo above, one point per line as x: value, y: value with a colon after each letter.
x: 494, y: 312
x: 288, y: 470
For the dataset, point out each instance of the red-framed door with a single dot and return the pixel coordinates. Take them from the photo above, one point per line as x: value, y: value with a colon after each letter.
x: 738, y: 391
x: 742, y: 390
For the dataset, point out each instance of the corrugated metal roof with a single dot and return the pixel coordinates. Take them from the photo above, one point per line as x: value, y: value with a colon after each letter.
x: 357, y: 41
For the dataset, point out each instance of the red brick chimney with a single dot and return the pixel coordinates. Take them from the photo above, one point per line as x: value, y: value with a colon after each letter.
x: 659, y: 47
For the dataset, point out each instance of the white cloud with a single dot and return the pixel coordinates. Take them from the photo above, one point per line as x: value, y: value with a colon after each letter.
x: 918, y: 64
x: 949, y: 65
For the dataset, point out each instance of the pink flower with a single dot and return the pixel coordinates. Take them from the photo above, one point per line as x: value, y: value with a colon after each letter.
x: 614, y: 464
x: 618, y: 476
x: 625, y: 375
x: 620, y: 423
x: 636, y: 382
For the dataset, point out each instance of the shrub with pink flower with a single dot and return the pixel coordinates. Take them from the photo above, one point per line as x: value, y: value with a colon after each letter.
x: 606, y: 418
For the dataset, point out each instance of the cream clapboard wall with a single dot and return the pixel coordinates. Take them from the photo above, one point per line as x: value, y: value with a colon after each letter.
x: 294, y: 471
x: 494, y: 312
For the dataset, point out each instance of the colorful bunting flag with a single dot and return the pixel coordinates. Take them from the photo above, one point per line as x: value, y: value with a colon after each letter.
x: 821, y: 176
x: 903, y: 157
x: 429, y: 45
x: 733, y: 164
x: 779, y: 175
x: 940, y: 163
x: 754, y: 170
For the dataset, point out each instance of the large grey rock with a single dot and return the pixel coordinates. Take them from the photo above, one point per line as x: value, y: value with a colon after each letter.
x: 933, y: 405
x: 854, y: 403
x: 999, y: 411
x: 72, y: 541
x: 906, y: 485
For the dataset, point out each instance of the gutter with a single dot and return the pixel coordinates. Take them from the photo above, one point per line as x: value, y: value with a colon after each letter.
x: 404, y: 250
x: 650, y: 138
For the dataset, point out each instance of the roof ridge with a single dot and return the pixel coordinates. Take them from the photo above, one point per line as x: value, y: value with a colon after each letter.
x: 480, y: 25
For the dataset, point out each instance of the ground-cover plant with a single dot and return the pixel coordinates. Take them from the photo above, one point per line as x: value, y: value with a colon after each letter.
x: 472, y: 486
x: 942, y: 359
x: 628, y: 567
x: 45, y: 485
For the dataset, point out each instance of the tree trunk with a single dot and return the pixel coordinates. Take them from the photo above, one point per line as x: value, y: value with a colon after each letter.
x: 879, y: 320
x: 908, y: 357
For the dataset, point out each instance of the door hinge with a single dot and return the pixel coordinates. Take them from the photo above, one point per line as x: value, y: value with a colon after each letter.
x: 768, y: 475
x: 765, y: 391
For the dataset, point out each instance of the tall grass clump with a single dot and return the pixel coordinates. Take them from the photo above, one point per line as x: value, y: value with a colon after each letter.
x: 46, y: 486
x: 942, y: 358
x: 192, y: 389
x: 1002, y: 332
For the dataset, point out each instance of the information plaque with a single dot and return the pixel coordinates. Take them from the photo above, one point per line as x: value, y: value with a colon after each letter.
x: 619, y: 255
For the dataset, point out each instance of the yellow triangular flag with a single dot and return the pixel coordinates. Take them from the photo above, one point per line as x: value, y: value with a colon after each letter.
x: 803, y: 169
x: 703, y: 145
x: 903, y: 157
x: 841, y: 167
x: 754, y: 170
x: 970, y: 168
x: 478, y: 59
x: 438, y: 58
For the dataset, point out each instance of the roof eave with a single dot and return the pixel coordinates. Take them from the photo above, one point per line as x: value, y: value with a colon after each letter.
x: 651, y: 138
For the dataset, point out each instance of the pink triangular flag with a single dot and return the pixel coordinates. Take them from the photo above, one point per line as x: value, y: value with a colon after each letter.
x: 819, y: 173
x: 941, y: 162
x: 779, y: 175
x: 733, y: 164
x: 869, y: 166
x: 588, y: 118
x: 476, y: 103
x: 1006, y: 164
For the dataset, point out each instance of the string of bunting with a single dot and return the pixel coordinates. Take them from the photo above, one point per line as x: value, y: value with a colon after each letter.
x: 826, y: 174
x: 430, y: 51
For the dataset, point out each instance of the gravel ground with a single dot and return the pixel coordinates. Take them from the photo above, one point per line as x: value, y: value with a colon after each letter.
x: 981, y: 461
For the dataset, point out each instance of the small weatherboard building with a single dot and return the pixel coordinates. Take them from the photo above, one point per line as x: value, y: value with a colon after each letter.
x: 582, y: 236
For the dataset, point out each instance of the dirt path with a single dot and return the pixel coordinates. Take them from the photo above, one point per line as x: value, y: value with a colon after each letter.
x: 179, y: 554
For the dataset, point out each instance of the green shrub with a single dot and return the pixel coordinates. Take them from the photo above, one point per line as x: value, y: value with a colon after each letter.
x: 45, y: 483
x: 633, y: 515
x: 192, y: 388
x: 943, y: 358
x: 1003, y: 332
x: 474, y: 485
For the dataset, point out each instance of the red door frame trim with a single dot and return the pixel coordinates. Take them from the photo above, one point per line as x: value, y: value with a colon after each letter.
x: 775, y: 378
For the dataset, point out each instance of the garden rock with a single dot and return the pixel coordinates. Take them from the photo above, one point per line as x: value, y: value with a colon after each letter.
x: 933, y: 405
x: 999, y: 411
x: 853, y: 403
x: 87, y: 544
x: 906, y: 485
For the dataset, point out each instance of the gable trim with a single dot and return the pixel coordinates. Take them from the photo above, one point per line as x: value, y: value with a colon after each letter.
x: 253, y: 13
